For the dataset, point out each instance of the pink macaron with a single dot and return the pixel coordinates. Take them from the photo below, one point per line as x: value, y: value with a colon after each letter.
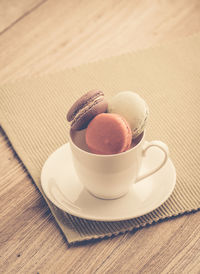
x: 108, y: 133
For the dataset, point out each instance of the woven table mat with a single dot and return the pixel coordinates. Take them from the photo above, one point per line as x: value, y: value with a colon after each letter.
x: 33, y: 111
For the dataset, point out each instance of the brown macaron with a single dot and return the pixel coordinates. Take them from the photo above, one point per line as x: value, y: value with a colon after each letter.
x: 86, y: 108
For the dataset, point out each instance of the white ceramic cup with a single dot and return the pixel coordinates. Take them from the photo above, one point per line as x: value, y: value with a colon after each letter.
x: 110, y: 176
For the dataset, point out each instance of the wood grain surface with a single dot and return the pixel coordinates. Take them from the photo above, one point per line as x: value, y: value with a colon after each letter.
x: 44, y: 36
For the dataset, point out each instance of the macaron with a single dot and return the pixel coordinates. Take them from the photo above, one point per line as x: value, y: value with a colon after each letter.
x: 108, y: 134
x: 133, y: 108
x: 86, y: 108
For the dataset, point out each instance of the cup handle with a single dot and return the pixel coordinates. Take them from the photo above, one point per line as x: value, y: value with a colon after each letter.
x: 161, y: 146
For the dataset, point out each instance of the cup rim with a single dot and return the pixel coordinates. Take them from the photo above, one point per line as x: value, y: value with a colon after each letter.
x: 105, y: 155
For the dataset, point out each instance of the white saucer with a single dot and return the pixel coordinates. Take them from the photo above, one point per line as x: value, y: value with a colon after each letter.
x: 62, y: 187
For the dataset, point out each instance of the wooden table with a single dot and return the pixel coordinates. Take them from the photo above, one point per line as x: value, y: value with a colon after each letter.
x: 42, y: 36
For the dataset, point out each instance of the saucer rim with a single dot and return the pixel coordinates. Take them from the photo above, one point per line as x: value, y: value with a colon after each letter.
x: 104, y: 218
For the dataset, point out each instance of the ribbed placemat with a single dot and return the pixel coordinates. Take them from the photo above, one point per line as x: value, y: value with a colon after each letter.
x: 32, y: 113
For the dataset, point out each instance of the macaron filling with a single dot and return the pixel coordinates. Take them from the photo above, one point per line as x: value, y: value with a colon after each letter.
x: 136, y: 131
